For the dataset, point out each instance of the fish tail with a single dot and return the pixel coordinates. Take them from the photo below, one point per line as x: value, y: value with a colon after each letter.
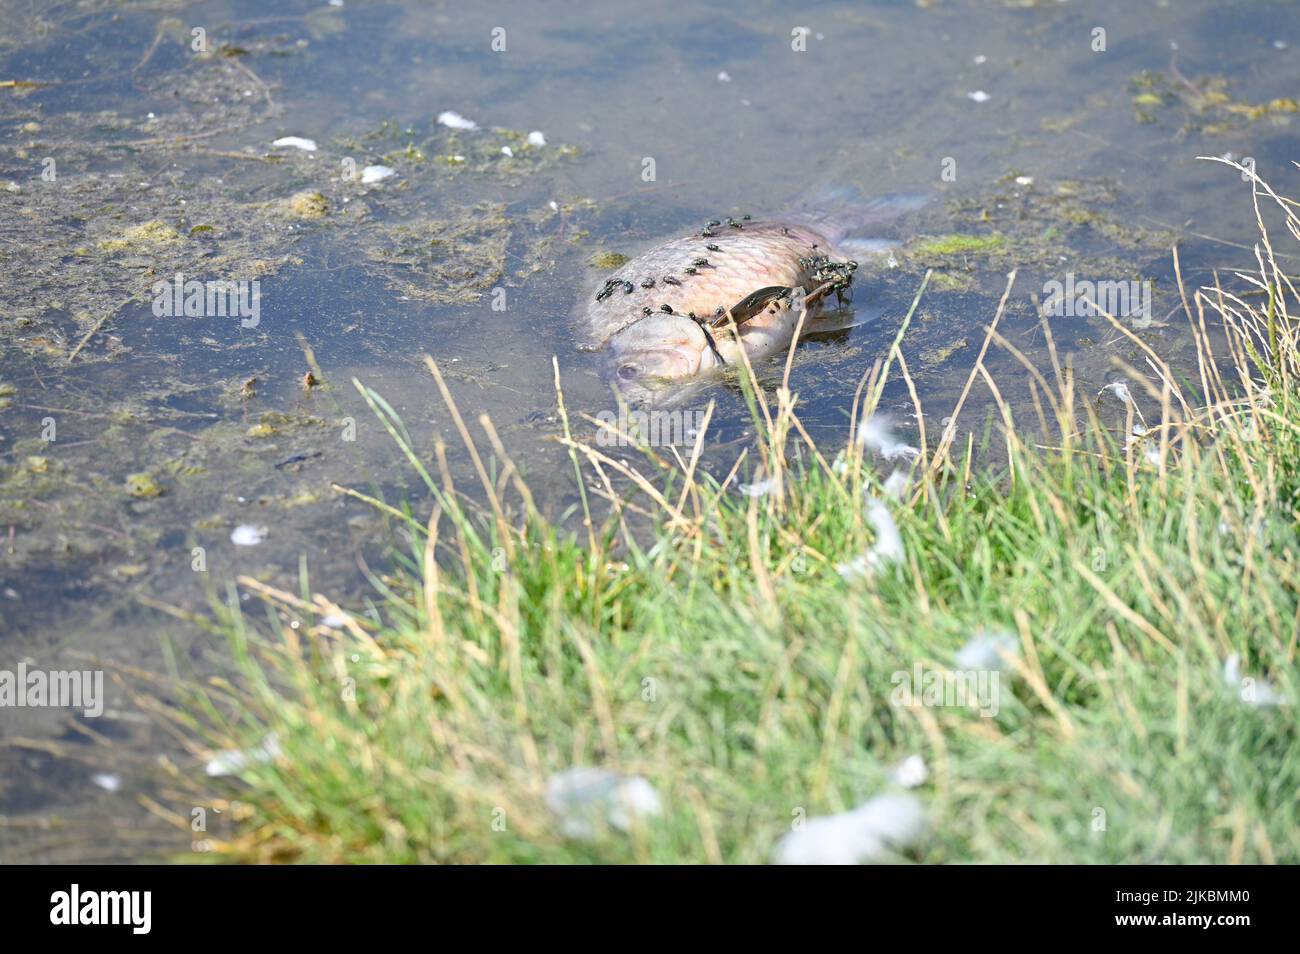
x: 840, y: 211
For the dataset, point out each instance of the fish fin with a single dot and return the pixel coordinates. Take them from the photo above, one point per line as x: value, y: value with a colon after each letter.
x: 862, y: 248
x: 841, y: 320
x: 750, y: 305
x: 840, y: 211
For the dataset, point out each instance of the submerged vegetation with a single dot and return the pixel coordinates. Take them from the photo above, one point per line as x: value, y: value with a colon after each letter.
x: 947, y: 245
x: 151, y: 436
x: 1204, y: 104
x: 733, y: 648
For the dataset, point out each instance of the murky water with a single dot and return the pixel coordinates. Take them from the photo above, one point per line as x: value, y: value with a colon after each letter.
x: 133, y: 148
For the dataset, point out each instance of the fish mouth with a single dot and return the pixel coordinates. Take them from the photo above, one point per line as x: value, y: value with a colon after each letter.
x: 651, y: 364
x: 661, y: 352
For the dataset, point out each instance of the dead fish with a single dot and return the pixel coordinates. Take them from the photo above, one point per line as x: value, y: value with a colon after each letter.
x: 748, y: 293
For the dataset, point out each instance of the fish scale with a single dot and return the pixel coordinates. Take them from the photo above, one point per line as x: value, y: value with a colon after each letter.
x: 758, y: 255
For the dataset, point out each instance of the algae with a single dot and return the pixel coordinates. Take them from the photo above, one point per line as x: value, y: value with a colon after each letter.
x: 948, y: 246
x: 307, y: 204
x: 607, y: 261
x: 932, y: 357
x: 945, y: 280
x: 146, y: 236
x: 143, y: 485
x: 445, y: 260
x: 1203, y: 103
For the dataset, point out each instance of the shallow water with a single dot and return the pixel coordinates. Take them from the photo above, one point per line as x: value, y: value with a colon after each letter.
x: 1083, y: 160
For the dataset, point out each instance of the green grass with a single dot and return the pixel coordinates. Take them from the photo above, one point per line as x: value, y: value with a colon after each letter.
x: 713, y: 648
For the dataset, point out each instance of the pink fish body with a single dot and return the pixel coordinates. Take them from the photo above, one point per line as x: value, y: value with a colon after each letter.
x: 668, y: 313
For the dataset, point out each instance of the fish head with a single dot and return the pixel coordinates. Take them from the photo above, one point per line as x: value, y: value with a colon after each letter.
x: 655, y: 351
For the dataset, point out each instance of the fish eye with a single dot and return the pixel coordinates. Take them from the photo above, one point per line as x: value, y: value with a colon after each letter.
x: 628, y: 371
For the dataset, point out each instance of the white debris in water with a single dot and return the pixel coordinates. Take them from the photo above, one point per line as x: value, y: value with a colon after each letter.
x: 586, y: 798
x: 1279, y: 44
x: 760, y: 488
x: 336, y: 3
x: 724, y: 77
x: 376, y: 174
x: 980, y: 59
x: 107, y: 781
x: 455, y: 158
x: 334, y: 621
x: 988, y: 651
x: 233, y: 761
x: 454, y: 120
x: 979, y: 96
x: 1024, y: 180
x: 507, y: 151
x: 887, y: 550
x: 877, y: 435
x: 864, y: 835
x: 1254, y: 692
x: 296, y: 142
x: 910, y: 773
x: 555, y: 206
x: 535, y: 138
x: 247, y: 535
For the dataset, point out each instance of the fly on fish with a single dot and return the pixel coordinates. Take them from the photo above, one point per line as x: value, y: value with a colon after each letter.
x: 687, y: 306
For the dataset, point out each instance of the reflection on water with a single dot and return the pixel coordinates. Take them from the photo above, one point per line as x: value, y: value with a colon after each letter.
x: 137, y: 147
